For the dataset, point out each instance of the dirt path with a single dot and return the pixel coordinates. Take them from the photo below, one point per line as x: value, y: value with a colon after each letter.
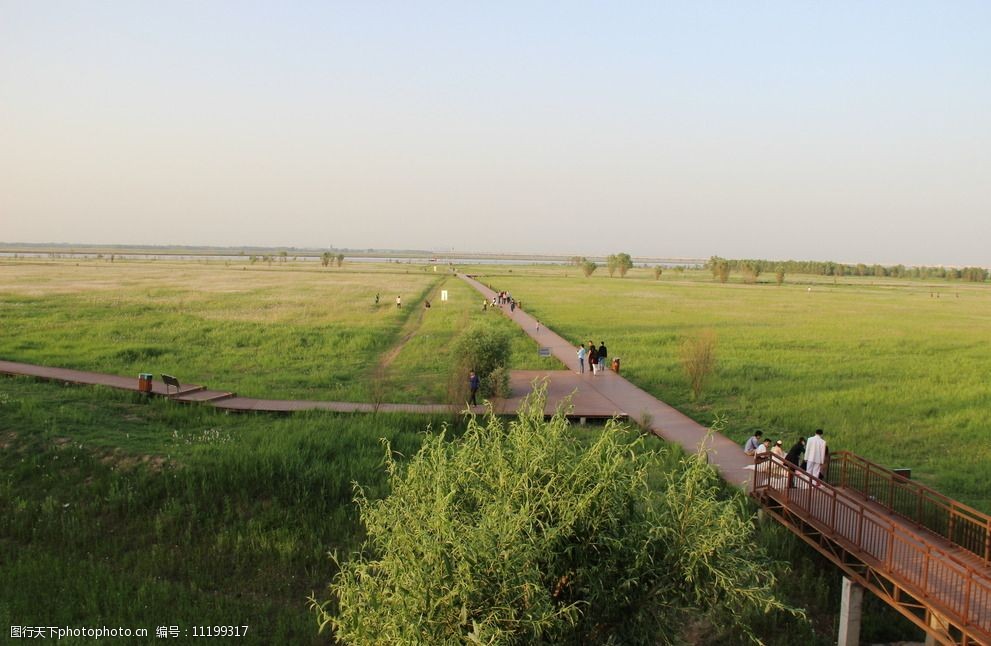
x: 410, y: 328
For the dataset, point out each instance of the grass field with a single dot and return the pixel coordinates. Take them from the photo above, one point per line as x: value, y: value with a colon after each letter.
x: 122, y: 511
x: 285, y: 331
x: 140, y: 512
x: 889, y: 370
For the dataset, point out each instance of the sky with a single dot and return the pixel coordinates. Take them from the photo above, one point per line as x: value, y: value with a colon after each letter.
x: 847, y: 131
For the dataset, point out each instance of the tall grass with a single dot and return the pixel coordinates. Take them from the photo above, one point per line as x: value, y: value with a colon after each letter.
x: 125, y: 511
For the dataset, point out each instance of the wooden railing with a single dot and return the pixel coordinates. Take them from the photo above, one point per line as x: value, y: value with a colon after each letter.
x: 908, y: 558
x: 956, y: 522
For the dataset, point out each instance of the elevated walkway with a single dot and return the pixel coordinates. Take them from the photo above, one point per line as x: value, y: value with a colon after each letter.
x: 929, y: 563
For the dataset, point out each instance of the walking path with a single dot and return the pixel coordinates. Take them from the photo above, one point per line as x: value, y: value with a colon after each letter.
x: 561, y: 384
x: 666, y: 422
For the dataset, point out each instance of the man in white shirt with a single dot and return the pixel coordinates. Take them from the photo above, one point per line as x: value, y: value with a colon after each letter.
x: 815, y: 453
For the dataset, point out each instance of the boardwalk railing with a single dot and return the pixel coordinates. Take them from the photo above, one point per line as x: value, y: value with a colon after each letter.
x: 921, y: 568
x: 956, y: 522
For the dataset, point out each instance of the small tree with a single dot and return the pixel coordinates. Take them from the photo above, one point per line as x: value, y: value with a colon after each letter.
x: 340, y: 259
x: 658, y: 270
x: 722, y: 271
x: 325, y: 258
x: 624, y: 263
x: 698, y: 358
x: 779, y: 274
x: 523, y: 534
x: 283, y: 256
x: 484, y: 348
x: 612, y: 264
x: 750, y: 271
x: 588, y: 267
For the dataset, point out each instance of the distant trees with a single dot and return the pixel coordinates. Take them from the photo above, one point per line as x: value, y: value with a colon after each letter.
x: 621, y: 262
x: 720, y: 268
x: 340, y: 259
x: 325, y: 258
x: 588, y: 267
x: 750, y: 269
x: 658, y: 270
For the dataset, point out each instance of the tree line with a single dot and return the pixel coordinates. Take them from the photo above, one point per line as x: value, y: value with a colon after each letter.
x: 752, y: 268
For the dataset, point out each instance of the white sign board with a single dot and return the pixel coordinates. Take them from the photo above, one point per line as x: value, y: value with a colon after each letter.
x: 443, y: 294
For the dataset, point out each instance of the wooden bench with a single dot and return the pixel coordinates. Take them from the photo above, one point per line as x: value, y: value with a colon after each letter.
x: 170, y: 381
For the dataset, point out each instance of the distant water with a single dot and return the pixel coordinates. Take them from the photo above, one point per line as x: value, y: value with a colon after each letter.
x: 302, y: 258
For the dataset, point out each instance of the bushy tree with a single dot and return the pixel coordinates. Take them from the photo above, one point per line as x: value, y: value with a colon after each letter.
x: 779, y: 274
x: 523, y: 534
x: 325, y: 258
x: 624, y: 263
x: 750, y: 270
x: 658, y: 270
x: 484, y: 348
x: 588, y: 267
x: 612, y: 263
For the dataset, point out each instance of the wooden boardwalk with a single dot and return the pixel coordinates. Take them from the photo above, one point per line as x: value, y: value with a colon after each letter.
x: 560, y: 385
x: 911, y: 562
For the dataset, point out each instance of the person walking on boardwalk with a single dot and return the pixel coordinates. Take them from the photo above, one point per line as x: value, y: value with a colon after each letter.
x: 601, y: 356
x: 592, y: 358
x: 751, y: 446
x: 815, y: 453
x: 581, y: 359
x: 473, y: 383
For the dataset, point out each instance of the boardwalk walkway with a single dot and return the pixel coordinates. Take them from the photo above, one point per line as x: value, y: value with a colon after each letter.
x: 931, y: 567
x: 725, y: 454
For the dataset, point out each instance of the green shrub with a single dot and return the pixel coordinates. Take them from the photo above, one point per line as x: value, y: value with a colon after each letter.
x: 523, y: 534
x: 698, y: 358
x: 485, y: 348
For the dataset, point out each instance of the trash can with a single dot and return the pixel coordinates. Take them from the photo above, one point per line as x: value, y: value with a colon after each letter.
x: 144, y: 382
x: 615, y: 365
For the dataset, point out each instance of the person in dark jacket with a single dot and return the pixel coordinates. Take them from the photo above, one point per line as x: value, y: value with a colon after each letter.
x: 593, y: 359
x: 794, y: 454
x: 602, y: 354
x: 473, y: 383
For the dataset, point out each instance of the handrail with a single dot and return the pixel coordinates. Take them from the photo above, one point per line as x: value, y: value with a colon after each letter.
x: 936, y: 573
x: 958, y: 523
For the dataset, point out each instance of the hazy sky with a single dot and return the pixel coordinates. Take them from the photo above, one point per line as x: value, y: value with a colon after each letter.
x: 850, y: 131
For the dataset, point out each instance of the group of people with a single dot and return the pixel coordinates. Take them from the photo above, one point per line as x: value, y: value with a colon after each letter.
x: 596, y: 357
x: 809, y: 454
x: 500, y: 299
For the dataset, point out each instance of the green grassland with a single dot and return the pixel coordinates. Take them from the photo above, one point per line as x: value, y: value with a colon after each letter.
x: 144, y: 512
x: 285, y: 330
x: 118, y: 510
x: 890, y: 371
